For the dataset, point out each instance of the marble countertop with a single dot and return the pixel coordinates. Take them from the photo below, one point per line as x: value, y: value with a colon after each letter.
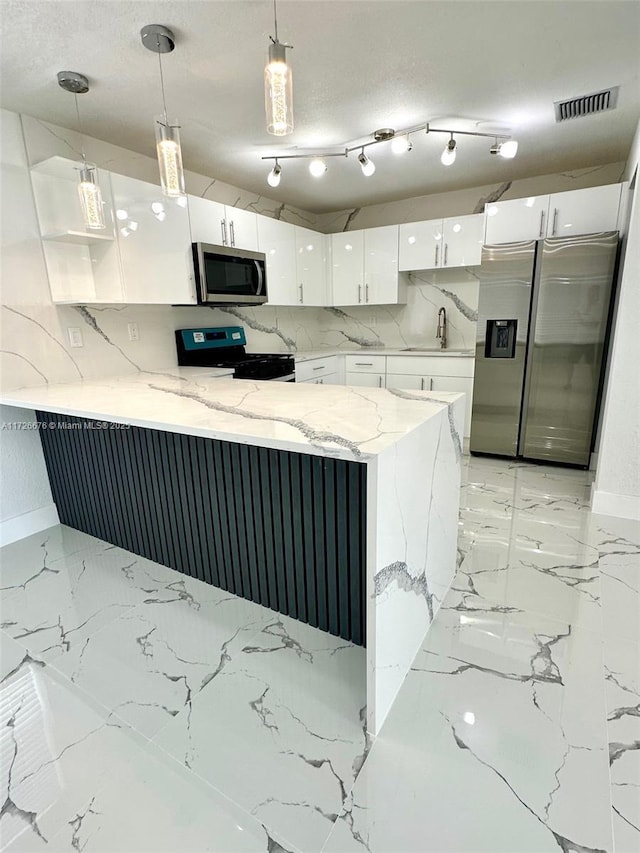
x: 323, y: 420
x: 308, y: 355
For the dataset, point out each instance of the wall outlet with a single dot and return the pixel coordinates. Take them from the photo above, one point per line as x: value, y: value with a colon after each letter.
x: 134, y: 335
x: 75, y: 336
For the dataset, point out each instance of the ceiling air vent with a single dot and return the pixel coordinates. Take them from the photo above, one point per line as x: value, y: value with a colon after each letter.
x: 587, y: 105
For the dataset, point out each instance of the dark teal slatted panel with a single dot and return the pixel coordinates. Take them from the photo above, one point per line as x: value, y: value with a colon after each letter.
x: 283, y: 529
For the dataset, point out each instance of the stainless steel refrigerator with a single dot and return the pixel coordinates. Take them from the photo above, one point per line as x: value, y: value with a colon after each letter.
x: 543, y: 316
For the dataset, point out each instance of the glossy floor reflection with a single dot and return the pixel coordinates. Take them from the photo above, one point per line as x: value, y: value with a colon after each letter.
x: 144, y: 710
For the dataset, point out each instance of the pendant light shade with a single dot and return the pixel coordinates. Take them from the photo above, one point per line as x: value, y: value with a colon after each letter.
x: 91, y: 199
x: 88, y: 188
x: 160, y: 39
x: 169, y: 159
x: 278, y: 86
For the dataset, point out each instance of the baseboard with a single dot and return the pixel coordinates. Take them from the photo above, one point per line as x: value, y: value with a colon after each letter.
x: 23, y: 525
x: 622, y: 506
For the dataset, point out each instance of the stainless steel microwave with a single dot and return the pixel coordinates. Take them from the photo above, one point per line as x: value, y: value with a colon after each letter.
x: 229, y: 276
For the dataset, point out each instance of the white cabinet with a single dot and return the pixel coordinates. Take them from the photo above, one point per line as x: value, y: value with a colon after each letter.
x: 437, y: 243
x: 154, y: 242
x: 278, y: 242
x: 364, y: 267
x: 319, y: 371
x: 584, y: 211
x: 311, y: 266
x: 222, y: 225
x: 366, y: 370
x: 82, y: 265
x: 434, y: 373
x: 347, y: 267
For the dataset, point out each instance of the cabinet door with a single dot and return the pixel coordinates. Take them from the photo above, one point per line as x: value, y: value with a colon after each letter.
x: 408, y: 382
x: 154, y: 244
x: 584, y: 211
x: 381, y: 265
x: 311, y: 266
x: 516, y: 220
x: 462, y: 238
x: 458, y: 383
x: 242, y: 228
x: 420, y: 245
x: 206, y: 219
x: 369, y: 380
x: 347, y: 266
x: 277, y: 240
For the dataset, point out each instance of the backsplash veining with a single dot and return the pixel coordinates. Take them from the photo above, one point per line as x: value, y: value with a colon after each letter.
x: 35, y: 348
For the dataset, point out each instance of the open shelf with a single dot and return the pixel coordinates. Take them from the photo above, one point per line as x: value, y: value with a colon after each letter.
x: 83, y: 238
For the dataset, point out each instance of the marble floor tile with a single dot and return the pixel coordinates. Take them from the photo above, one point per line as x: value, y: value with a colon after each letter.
x: 620, y: 582
x: 152, y: 662
x: 495, y: 743
x: 281, y: 730
x: 74, y: 780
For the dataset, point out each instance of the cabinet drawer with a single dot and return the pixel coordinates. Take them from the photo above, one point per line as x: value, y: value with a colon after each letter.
x: 365, y: 363
x: 437, y: 365
x: 314, y: 368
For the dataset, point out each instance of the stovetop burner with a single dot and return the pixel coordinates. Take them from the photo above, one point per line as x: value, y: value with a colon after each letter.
x: 225, y: 347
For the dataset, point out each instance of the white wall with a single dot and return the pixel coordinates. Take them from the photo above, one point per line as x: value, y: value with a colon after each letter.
x: 616, y: 489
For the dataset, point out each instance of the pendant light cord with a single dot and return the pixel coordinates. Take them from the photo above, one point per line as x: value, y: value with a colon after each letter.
x: 275, y: 20
x: 164, y: 103
x: 84, y: 158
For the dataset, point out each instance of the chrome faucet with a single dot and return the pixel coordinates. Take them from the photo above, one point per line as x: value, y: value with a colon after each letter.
x: 442, y: 328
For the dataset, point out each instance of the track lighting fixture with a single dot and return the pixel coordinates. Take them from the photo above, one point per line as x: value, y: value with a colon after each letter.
x: 400, y: 142
x: 88, y: 188
x: 160, y: 40
x: 317, y: 167
x: 507, y: 149
x: 278, y: 86
x: 273, y: 178
x: 449, y: 154
x: 367, y: 165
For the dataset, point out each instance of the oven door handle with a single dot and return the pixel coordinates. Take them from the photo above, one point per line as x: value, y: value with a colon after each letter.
x: 260, y: 278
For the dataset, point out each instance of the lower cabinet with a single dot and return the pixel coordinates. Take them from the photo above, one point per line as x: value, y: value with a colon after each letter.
x: 368, y: 380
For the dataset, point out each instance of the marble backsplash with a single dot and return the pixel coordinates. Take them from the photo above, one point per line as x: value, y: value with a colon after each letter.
x: 35, y: 347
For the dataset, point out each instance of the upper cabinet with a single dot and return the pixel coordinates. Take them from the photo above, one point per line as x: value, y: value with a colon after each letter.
x: 364, y: 267
x: 278, y: 242
x: 155, y: 243
x: 221, y: 225
x: 584, y: 211
x: 311, y: 266
x: 82, y: 265
x: 439, y: 243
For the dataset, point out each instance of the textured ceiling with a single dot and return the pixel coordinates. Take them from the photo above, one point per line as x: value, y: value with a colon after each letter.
x: 358, y: 65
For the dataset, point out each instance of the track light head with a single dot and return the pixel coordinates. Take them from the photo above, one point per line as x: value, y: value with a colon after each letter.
x: 317, y: 167
x: 367, y: 165
x: 449, y: 154
x: 273, y: 178
x: 401, y: 144
x: 507, y: 149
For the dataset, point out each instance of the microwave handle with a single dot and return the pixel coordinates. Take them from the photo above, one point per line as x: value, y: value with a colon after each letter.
x: 199, y: 271
x: 260, y: 278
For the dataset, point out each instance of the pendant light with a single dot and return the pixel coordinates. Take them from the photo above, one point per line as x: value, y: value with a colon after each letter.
x: 278, y: 86
x: 160, y: 40
x: 88, y: 188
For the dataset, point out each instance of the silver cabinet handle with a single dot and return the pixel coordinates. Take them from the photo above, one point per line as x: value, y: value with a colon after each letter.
x: 422, y: 384
x: 555, y: 221
x: 320, y: 381
x: 446, y: 252
x: 541, y: 224
x: 233, y: 233
x: 223, y: 230
x: 364, y: 364
x: 359, y: 293
x: 366, y: 293
x: 379, y: 381
x: 319, y: 368
x: 301, y: 286
x: 431, y: 384
x: 436, y: 257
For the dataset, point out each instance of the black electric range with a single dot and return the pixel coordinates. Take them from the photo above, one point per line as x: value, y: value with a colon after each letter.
x: 224, y: 346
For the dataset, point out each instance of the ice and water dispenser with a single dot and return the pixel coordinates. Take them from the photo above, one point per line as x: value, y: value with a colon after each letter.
x: 500, y: 340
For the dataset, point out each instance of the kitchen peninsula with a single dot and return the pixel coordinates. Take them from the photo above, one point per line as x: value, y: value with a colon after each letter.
x: 335, y: 505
